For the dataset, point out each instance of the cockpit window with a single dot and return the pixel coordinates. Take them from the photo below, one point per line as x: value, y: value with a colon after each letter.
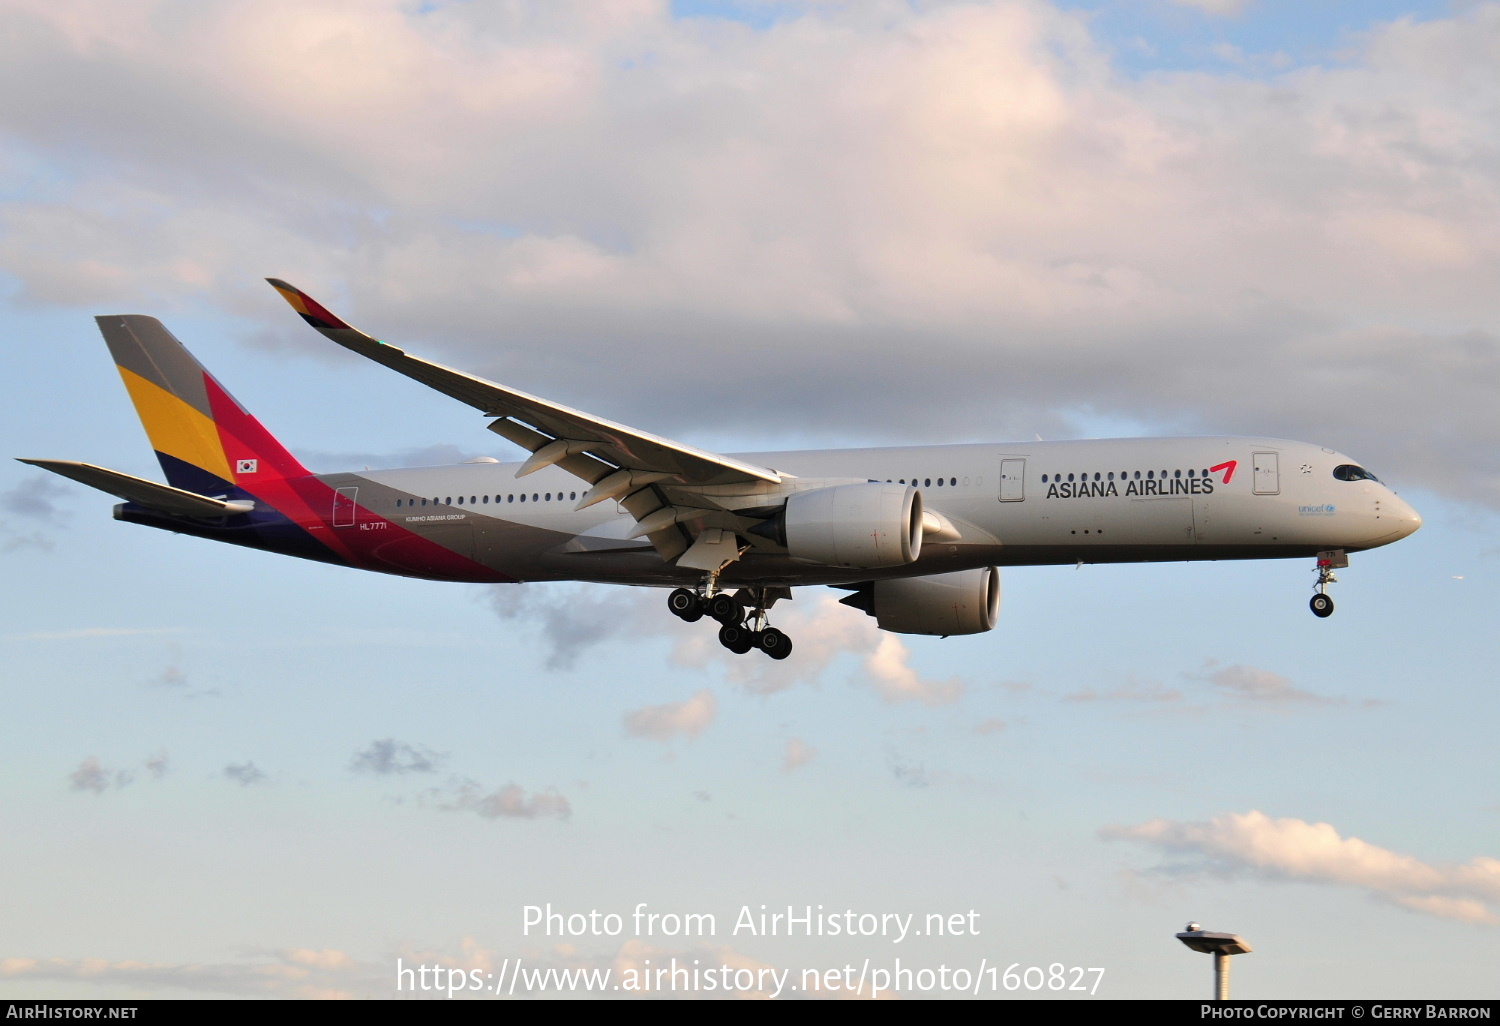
x: 1349, y: 472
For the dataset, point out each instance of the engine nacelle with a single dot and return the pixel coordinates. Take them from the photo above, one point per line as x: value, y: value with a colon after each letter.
x: 966, y: 602
x: 857, y: 525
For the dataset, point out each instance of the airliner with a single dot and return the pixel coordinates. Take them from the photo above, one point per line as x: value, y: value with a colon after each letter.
x: 916, y: 535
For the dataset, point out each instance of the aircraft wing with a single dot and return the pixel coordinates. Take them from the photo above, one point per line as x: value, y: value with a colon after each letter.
x: 618, y: 461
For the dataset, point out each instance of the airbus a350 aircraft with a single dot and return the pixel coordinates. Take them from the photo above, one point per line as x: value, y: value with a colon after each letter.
x: 915, y: 534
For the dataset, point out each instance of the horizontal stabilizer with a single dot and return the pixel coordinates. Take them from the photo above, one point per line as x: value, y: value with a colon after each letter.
x: 142, y: 492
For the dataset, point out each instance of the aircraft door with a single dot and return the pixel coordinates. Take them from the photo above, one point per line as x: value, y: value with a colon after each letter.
x: 1012, y: 480
x: 344, y: 506
x: 1267, y: 474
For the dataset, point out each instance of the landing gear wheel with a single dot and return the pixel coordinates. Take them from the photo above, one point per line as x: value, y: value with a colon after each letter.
x: 774, y: 643
x: 726, y: 609
x: 735, y: 638
x: 1322, y: 605
x: 685, y: 605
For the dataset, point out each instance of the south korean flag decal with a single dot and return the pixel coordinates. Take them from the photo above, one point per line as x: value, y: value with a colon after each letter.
x: 246, y: 466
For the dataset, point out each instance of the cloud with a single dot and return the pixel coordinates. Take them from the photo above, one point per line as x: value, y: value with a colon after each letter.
x: 244, y: 773
x: 993, y: 725
x: 31, y: 500
x: 1131, y: 691
x: 83, y: 633
x: 1253, y: 685
x: 798, y: 754
x: 1252, y: 844
x: 573, y: 618
x: 91, y: 775
x: 905, y: 773
x: 687, y: 718
x: 822, y: 630
x: 33, y: 497
x: 389, y: 756
x: 1216, y: 6
x: 868, y: 196
x: 508, y: 802
x: 424, y: 456
x: 291, y: 973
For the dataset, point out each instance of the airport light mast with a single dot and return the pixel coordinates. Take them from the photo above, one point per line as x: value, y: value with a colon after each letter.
x: 1221, y: 946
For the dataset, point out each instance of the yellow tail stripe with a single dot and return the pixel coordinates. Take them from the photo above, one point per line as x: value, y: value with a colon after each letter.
x: 293, y: 298
x: 175, y: 428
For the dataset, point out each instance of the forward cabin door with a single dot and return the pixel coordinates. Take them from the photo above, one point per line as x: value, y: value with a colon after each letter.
x: 1012, y: 480
x: 1267, y: 474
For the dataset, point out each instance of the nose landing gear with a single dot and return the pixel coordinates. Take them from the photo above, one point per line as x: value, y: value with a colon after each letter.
x: 741, y: 630
x: 1328, y: 562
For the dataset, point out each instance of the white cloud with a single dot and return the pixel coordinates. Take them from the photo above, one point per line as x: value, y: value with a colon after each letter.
x: 1254, y: 685
x: 868, y: 195
x: 292, y: 973
x: 798, y: 754
x: 1253, y: 844
x: 823, y: 630
x: 687, y: 718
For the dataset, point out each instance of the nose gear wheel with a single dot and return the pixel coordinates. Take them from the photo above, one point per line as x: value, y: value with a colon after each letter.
x: 1334, y: 559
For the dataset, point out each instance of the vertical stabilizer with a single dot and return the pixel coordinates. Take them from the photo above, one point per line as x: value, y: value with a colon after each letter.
x: 206, y: 441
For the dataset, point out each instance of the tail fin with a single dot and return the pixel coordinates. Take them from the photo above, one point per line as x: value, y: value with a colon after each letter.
x: 206, y: 442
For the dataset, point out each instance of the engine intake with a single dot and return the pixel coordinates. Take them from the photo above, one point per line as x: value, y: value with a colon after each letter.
x: 856, y: 525
x: 965, y: 602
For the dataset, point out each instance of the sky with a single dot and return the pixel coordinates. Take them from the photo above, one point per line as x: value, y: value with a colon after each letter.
x: 750, y: 226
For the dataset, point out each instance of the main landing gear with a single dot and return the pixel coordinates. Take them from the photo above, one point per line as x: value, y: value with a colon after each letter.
x: 740, y: 629
x: 1328, y: 562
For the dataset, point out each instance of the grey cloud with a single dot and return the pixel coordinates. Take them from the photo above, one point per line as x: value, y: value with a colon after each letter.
x: 508, y: 802
x: 389, y: 756
x: 572, y: 619
x: 32, y: 498
x: 92, y: 776
x: 424, y: 456
x: 244, y: 773
x: 905, y: 773
x: 1185, y: 253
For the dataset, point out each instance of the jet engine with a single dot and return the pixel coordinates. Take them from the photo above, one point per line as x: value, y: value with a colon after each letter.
x: 966, y: 602
x: 858, y: 525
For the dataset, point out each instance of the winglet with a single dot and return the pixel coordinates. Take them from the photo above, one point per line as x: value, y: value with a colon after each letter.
x: 310, y: 309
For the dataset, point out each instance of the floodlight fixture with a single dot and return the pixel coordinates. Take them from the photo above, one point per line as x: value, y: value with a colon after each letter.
x: 1221, y: 946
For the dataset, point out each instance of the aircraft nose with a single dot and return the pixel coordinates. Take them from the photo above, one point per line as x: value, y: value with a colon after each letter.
x: 1401, y: 512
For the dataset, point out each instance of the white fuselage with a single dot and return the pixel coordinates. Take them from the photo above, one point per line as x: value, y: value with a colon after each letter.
x: 1026, y: 503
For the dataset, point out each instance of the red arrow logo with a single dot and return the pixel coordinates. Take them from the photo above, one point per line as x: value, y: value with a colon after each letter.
x: 1228, y: 469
